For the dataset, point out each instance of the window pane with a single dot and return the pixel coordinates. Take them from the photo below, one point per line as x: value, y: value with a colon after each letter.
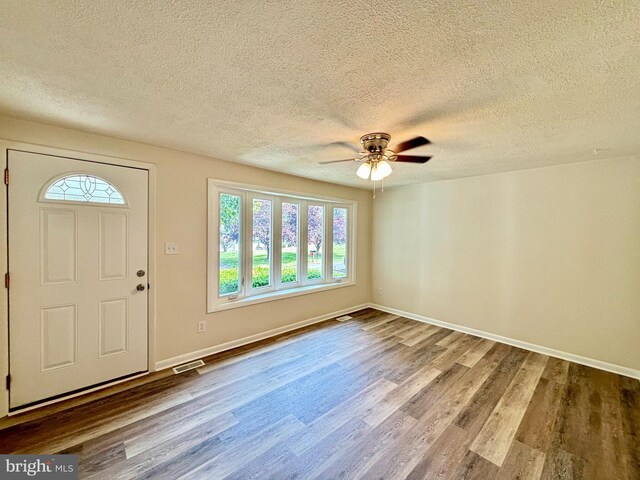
x: 289, y: 242
x: 261, y: 255
x: 84, y: 188
x: 229, y: 244
x: 339, y: 243
x: 316, y: 237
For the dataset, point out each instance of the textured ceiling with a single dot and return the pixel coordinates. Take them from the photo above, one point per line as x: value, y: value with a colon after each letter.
x: 495, y: 85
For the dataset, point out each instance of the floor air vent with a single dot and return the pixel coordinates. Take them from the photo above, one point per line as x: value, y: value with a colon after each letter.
x: 188, y: 366
x: 344, y: 318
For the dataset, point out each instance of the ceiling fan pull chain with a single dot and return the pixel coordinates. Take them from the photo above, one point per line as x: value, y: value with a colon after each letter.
x: 374, y: 189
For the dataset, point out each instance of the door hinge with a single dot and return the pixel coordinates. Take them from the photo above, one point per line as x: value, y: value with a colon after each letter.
x: 6, y: 176
x: 7, y: 280
x: 8, y: 382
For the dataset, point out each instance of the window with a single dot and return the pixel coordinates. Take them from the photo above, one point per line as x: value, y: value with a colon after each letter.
x: 83, y: 188
x: 264, y: 244
x: 261, y: 251
x: 290, y: 235
x: 315, y: 233
x: 340, y: 257
x: 230, y: 259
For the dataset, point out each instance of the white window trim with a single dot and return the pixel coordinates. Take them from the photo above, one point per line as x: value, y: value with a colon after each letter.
x: 246, y: 294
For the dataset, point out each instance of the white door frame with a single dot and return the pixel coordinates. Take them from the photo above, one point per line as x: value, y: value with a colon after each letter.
x: 5, y: 146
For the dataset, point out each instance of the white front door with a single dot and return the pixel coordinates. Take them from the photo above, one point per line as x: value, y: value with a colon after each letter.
x: 78, y: 274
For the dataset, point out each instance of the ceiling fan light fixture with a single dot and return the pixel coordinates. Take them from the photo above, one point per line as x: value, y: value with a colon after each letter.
x: 376, y: 174
x: 376, y: 157
x: 364, y: 171
x: 383, y: 168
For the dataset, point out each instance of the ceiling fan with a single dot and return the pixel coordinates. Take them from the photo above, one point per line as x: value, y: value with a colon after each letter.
x: 375, y: 156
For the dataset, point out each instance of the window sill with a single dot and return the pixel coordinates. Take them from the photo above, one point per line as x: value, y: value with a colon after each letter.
x: 271, y: 296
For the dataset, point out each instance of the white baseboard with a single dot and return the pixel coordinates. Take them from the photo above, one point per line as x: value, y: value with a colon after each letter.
x: 187, y: 357
x: 590, y: 362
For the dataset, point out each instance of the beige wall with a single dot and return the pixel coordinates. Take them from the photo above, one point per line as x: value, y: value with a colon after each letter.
x: 549, y: 256
x: 181, y: 207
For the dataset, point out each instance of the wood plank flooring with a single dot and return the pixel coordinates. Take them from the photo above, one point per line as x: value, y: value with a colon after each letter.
x: 374, y: 397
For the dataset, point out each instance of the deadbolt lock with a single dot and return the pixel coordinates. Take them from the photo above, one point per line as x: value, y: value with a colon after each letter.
x: 140, y: 273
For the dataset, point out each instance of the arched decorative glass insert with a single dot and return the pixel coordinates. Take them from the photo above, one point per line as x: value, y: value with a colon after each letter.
x: 84, y: 188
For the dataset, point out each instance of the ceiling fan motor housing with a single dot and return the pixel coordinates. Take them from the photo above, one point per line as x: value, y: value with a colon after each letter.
x: 375, y: 142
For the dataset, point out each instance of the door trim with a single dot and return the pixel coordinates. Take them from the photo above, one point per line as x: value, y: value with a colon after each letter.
x: 5, y: 147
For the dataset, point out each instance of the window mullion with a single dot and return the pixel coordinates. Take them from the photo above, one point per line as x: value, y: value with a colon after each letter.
x: 304, y: 242
x: 247, y: 242
x: 328, y: 243
x: 348, y: 237
x: 276, y: 238
x: 299, y: 245
x: 272, y: 220
x: 241, y: 260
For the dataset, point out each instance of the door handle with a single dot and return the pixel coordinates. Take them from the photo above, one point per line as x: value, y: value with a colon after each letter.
x: 140, y: 287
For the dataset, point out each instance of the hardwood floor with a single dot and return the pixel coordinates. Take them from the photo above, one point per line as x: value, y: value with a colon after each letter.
x: 374, y: 397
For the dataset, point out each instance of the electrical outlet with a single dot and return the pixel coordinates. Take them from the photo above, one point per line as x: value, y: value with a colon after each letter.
x: 379, y: 290
x: 202, y: 326
x: 171, y: 248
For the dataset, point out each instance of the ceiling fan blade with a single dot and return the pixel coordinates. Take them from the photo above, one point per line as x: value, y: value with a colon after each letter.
x: 338, y: 161
x: 412, y: 159
x: 409, y: 144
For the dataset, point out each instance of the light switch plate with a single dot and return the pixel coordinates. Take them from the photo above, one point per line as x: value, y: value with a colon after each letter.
x: 171, y: 248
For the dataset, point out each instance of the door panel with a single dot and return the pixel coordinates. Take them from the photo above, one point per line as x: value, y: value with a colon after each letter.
x: 58, y: 252
x: 113, y: 245
x: 114, y: 332
x: 59, y: 336
x: 76, y: 318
